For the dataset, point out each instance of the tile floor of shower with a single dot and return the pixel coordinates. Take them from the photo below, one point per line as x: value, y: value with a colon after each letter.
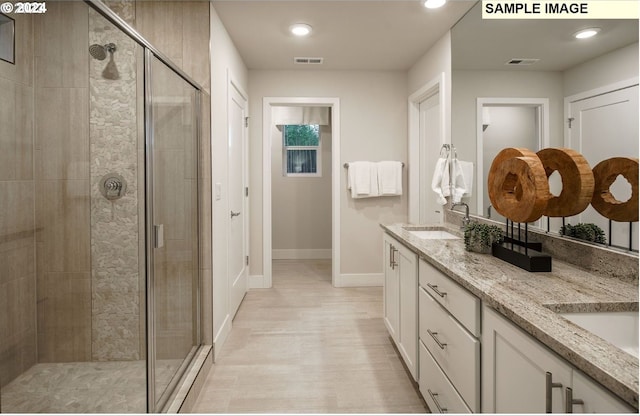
x: 84, y: 387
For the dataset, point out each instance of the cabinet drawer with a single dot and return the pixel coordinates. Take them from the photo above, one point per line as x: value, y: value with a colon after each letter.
x: 464, y: 306
x: 453, y: 347
x: 440, y: 395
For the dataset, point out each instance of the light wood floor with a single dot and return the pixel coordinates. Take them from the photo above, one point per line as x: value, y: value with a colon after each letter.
x: 306, y: 347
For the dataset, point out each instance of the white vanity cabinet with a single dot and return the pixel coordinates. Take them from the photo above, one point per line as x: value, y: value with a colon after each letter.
x: 400, y: 300
x: 449, y: 327
x: 520, y: 375
x: 589, y: 397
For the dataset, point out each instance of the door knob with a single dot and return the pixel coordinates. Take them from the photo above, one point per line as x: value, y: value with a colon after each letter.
x: 234, y: 214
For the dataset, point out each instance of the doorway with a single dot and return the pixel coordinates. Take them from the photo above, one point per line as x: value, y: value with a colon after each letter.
x: 428, y: 131
x: 502, y: 123
x: 300, y: 173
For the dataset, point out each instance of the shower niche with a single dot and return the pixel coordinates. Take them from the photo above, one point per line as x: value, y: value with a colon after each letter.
x: 95, y: 318
x: 7, y: 39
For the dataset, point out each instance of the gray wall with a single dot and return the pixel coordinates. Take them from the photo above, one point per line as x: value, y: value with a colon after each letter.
x: 373, y: 127
x: 301, y: 207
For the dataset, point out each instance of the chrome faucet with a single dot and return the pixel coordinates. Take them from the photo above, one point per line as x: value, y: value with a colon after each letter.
x: 465, y: 220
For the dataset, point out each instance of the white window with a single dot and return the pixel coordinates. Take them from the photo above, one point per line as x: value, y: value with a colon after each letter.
x: 301, y: 151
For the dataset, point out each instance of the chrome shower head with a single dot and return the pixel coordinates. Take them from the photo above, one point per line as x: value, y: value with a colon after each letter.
x: 99, y: 52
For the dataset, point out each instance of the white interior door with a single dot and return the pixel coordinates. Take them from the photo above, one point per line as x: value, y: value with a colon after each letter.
x: 606, y: 126
x: 237, y: 256
x: 430, y: 210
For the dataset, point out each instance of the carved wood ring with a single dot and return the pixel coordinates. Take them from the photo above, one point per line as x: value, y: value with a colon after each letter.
x: 519, y: 188
x: 577, y: 181
x: 603, y: 201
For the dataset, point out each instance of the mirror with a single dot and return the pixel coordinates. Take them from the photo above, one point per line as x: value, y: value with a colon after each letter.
x: 530, y: 81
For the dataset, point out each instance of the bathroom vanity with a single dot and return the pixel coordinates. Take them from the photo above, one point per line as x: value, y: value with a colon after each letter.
x: 481, y: 335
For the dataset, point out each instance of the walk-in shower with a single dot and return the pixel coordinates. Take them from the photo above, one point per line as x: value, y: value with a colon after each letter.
x: 100, y: 183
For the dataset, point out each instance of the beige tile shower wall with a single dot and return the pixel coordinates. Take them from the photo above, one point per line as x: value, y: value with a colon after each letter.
x: 17, y: 223
x: 62, y: 183
x: 115, y: 288
x: 180, y: 30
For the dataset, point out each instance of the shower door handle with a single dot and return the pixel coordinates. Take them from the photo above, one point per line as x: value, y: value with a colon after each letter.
x: 158, y: 235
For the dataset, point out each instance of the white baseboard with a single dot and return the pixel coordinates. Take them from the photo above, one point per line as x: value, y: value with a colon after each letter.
x: 360, y: 280
x: 301, y: 254
x: 257, y: 282
x: 221, y: 336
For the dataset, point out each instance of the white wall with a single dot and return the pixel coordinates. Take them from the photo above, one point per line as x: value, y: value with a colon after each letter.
x: 301, y: 206
x: 225, y: 60
x: 469, y: 85
x: 373, y: 127
x: 435, y: 64
x: 619, y: 65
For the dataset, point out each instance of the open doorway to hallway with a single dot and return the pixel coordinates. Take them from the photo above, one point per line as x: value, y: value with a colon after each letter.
x: 301, y: 179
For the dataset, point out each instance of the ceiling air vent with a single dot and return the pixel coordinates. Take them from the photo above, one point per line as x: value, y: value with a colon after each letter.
x: 521, y: 61
x: 307, y: 61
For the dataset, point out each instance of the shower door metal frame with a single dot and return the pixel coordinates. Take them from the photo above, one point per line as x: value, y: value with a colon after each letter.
x: 151, y: 52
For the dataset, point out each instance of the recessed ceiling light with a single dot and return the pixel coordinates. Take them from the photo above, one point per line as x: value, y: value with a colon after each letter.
x: 587, y: 33
x: 434, y: 4
x: 300, y: 29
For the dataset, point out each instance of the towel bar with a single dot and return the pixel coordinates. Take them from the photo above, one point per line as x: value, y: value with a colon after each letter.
x: 346, y: 165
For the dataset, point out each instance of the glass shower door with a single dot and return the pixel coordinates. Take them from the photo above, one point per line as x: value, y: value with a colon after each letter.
x: 173, y: 227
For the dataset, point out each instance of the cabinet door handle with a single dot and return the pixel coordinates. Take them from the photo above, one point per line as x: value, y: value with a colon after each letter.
x: 435, y: 400
x: 392, y: 261
x: 393, y: 257
x: 570, y: 401
x: 548, y: 392
x: 435, y: 289
x: 442, y: 345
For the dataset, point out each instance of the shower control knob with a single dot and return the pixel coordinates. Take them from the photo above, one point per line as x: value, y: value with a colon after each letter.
x: 113, y: 186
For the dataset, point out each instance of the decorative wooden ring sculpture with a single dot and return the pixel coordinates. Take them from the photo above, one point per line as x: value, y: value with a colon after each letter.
x: 577, y: 181
x: 506, y: 154
x: 518, y: 187
x: 605, y: 173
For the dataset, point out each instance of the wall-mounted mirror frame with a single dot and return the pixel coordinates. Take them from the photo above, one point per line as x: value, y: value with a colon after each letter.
x: 480, y: 49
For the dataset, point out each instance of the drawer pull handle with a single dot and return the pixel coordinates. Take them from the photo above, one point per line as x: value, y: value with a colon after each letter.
x: 435, y: 289
x: 435, y: 400
x: 549, y: 386
x: 433, y: 335
x: 570, y: 401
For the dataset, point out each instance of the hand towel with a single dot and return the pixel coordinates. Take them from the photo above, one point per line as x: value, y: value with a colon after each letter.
x: 458, y: 184
x: 467, y: 174
x: 362, y: 179
x: 390, y: 177
x: 442, y: 166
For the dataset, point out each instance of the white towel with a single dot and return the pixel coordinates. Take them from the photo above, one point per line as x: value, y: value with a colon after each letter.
x: 462, y: 179
x: 362, y: 179
x: 442, y: 167
x: 390, y: 178
x: 467, y: 174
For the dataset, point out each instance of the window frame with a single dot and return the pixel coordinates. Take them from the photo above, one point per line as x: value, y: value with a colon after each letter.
x: 285, y: 155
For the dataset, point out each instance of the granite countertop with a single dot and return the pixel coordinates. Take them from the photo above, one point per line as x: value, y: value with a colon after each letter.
x: 532, y: 300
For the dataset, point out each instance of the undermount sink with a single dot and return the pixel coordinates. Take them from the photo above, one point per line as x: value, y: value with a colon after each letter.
x: 433, y: 235
x: 618, y: 328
